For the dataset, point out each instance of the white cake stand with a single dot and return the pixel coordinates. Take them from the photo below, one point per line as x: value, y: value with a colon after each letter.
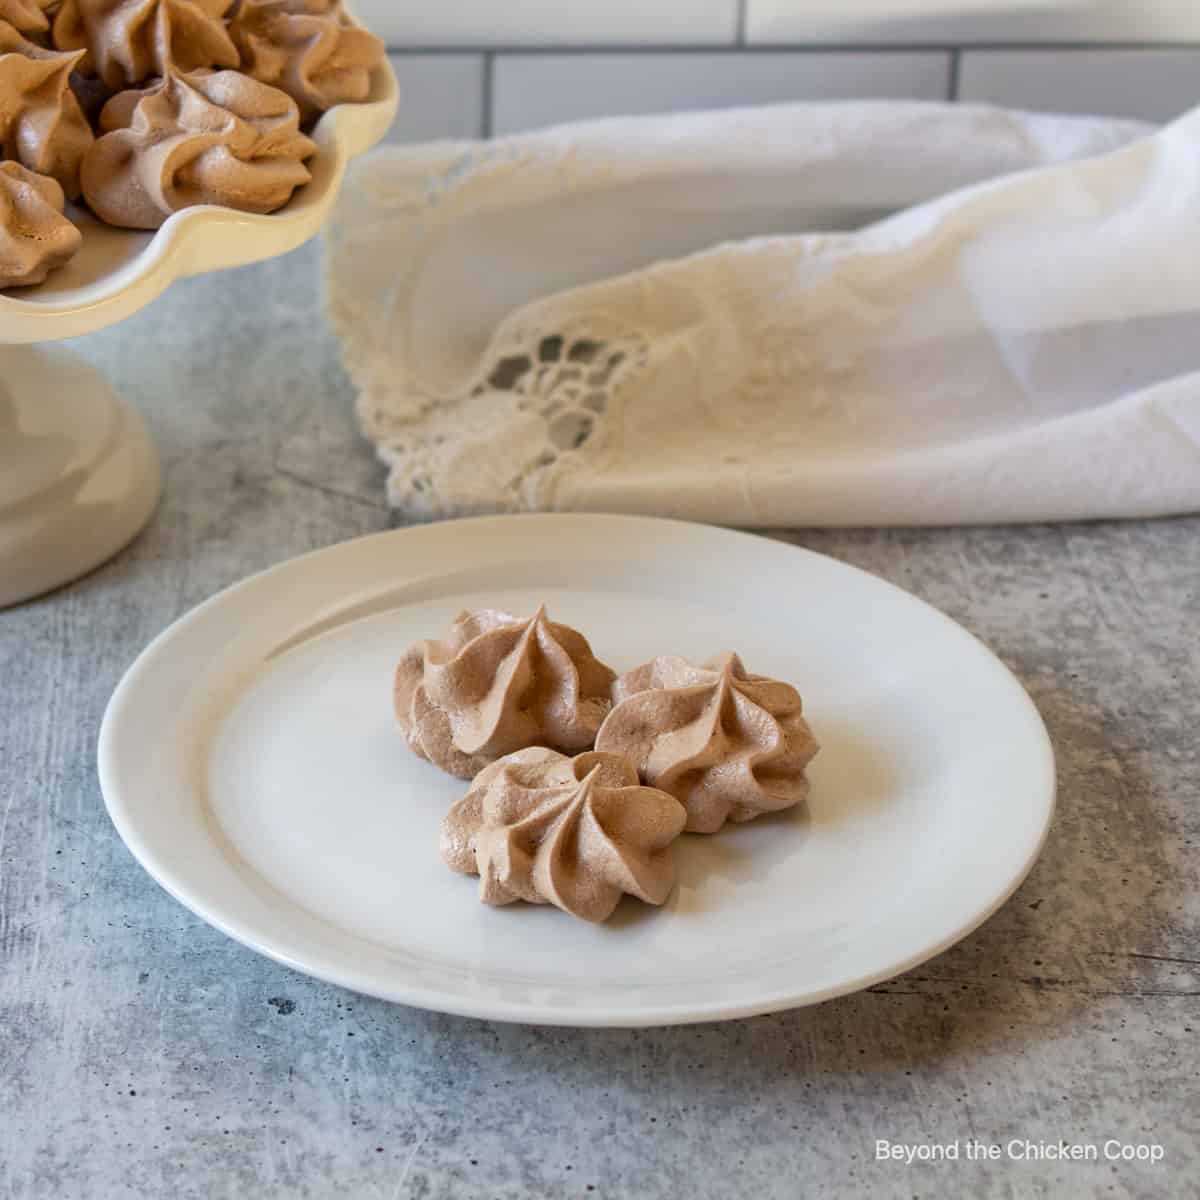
x: 79, y: 477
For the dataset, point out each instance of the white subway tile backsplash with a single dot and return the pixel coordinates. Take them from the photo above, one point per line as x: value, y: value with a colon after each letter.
x: 551, y: 22
x: 966, y: 21
x: 1154, y: 85
x: 531, y: 90
x: 441, y: 96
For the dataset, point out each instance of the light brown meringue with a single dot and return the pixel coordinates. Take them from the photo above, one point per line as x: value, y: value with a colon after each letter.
x: 35, y: 237
x: 41, y: 124
x: 730, y: 746
x: 498, y: 683
x: 26, y: 16
x: 130, y: 41
x: 214, y: 137
x: 576, y: 833
x: 309, y: 48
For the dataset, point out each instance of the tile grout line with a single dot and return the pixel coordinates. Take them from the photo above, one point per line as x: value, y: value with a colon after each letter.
x: 743, y: 22
x: 720, y: 48
x: 955, y: 70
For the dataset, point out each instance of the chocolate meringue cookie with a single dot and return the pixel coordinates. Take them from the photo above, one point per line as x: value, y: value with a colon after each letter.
x: 498, y: 683
x: 730, y: 746
x: 212, y: 137
x: 576, y: 833
x: 26, y: 16
x: 130, y: 41
x: 35, y: 237
x: 309, y: 48
x: 41, y: 124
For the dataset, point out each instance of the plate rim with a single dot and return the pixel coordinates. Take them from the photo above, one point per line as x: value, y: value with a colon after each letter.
x: 435, y: 1000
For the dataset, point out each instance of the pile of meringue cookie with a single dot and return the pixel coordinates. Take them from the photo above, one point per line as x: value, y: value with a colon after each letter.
x: 582, y: 781
x: 145, y: 107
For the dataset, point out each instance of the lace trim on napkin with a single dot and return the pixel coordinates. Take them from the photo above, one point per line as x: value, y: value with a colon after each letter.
x: 541, y: 403
x: 537, y: 411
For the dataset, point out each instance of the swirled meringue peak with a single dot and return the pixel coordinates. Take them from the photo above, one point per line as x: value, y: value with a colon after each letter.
x: 212, y: 137
x: 309, y: 48
x: 25, y: 16
x: 41, y: 124
x: 130, y: 41
x: 35, y: 237
x: 728, y: 745
x: 578, y: 833
x: 498, y: 683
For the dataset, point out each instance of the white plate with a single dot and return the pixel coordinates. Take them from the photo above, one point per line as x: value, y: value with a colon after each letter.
x: 250, y: 761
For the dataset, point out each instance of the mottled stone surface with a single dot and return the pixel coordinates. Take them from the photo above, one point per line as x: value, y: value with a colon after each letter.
x: 142, y: 1053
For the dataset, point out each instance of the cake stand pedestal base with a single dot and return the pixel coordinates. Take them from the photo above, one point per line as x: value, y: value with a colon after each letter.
x: 79, y: 476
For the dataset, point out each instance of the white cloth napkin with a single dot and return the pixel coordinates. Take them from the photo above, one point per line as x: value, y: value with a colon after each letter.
x: 637, y: 315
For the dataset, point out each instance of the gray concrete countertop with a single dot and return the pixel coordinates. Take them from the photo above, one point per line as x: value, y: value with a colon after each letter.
x: 142, y: 1053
